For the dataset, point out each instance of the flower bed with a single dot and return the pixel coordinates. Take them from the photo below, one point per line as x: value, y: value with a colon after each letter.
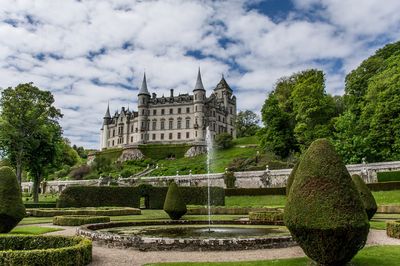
x: 74, y: 220
x: 393, y: 229
x: 99, y: 211
x: 44, y: 250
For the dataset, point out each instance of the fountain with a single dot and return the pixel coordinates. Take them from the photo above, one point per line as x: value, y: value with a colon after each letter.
x: 209, y: 143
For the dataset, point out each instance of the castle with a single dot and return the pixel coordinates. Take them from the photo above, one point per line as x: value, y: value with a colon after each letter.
x: 175, y: 119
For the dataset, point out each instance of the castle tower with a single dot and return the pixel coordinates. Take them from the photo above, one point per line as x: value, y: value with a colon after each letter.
x: 143, y: 110
x: 104, y: 129
x: 198, y: 103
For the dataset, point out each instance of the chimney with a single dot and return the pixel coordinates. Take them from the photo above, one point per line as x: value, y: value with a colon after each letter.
x: 154, y: 95
x: 172, y: 93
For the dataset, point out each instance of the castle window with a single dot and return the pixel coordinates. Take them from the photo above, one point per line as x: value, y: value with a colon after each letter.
x: 154, y: 136
x: 132, y: 128
x: 171, y: 111
x: 195, y: 133
x: 162, y: 126
x: 148, y: 125
x: 113, y: 143
x: 154, y: 125
x: 170, y: 135
x: 195, y: 96
x: 187, y: 110
x: 179, y: 110
x: 187, y: 135
x: 223, y: 119
x: 171, y: 122
x: 141, y: 136
x: 136, y: 129
x: 179, y: 135
x: 179, y: 124
x: 143, y: 125
x: 219, y: 118
x: 230, y: 110
x: 155, y: 112
x: 213, y: 114
x: 187, y: 123
x: 162, y: 136
x: 131, y: 138
x: 143, y: 111
x: 113, y: 133
x: 162, y: 111
x: 195, y: 108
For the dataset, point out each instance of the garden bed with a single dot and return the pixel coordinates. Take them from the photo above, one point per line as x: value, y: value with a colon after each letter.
x: 393, y: 229
x: 99, y: 211
x: 44, y: 250
x: 75, y: 220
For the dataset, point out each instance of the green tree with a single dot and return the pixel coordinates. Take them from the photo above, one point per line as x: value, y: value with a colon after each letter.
x: 28, y: 119
x: 102, y: 164
x: 223, y: 141
x: 246, y: 123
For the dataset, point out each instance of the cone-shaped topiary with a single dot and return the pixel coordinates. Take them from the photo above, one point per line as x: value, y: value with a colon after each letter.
x: 12, y: 210
x: 174, y: 204
x: 367, y: 198
x: 291, y: 178
x: 324, y: 212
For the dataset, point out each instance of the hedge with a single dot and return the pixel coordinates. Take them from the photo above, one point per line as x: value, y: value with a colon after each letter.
x: 91, y: 196
x: 99, y: 211
x: 113, y: 153
x: 75, y: 220
x: 191, y: 195
x: 163, y: 151
x: 266, y: 216
x: 255, y: 191
x: 44, y: 250
x: 32, y: 205
x: 221, y: 210
x: 393, y: 229
x: 388, y: 176
x: 384, y: 186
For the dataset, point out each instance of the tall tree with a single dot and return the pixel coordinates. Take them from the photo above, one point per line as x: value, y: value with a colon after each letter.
x: 27, y: 119
x: 246, y: 123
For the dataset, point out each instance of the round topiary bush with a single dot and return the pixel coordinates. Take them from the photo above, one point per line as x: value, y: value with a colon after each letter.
x: 75, y: 220
x: 174, y: 204
x: 366, y: 196
x: 393, y: 229
x: 44, y: 250
x: 324, y: 212
x: 12, y: 210
x: 291, y: 178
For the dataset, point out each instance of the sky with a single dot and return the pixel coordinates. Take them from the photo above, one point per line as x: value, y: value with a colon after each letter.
x: 91, y: 52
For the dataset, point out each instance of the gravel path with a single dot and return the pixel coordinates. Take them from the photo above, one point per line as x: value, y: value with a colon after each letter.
x: 103, y: 255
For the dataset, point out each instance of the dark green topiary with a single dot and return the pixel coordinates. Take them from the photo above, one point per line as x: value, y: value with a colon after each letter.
x: 366, y: 196
x: 174, y: 204
x: 291, y: 178
x: 324, y: 212
x: 12, y: 209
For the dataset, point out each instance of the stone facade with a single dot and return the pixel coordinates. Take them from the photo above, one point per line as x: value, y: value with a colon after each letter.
x: 175, y: 119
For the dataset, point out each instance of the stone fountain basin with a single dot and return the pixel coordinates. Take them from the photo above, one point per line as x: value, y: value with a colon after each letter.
x: 128, y: 235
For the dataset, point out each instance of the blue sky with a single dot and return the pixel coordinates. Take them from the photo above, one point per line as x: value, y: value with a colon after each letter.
x: 91, y: 52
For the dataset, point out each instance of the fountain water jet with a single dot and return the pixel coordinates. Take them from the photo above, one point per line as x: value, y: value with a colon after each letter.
x: 209, y: 154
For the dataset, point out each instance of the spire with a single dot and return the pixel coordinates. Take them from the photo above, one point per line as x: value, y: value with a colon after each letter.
x: 143, y: 89
x: 107, y: 115
x: 199, y: 83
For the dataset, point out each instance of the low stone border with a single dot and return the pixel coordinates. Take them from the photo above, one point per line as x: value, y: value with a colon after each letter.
x: 94, y: 211
x: 143, y: 243
x: 388, y: 209
x: 393, y: 229
x: 75, y: 220
x: 44, y: 250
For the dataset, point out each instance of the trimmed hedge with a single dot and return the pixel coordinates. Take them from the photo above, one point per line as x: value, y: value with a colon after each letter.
x: 384, y: 186
x: 255, y: 191
x: 266, y: 216
x: 221, y: 210
x: 91, y: 196
x: 32, y: 205
x: 44, y: 250
x: 393, y: 229
x: 174, y: 204
x: 100, y: 211
x: 163, y: 151
x: 388, y: 176
x: 75, y: 220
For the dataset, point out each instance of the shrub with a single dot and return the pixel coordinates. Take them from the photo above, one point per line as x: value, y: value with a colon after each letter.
x: 291, y: 178
x: 75, y: 220
x: 108, y: 211
x: 174, y: 204
x: 324, y: 212
x: 229, y: 179
x: 28, y: 250
x: 32, y: 205
x: 266, y: 216
x: 126, y: 173
x: 12, y: 210
x: 163, y: 151
x: 77, y: 173
x: 393, y: 229
x: 388, y: 176
x: 367, y: 198
x: 384, y: 186
x: 102, y: 164
x: 223, y: 141
x: 91, y: 196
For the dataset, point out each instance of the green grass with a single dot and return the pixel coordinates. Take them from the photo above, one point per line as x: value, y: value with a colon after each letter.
x: 43, y: 198
x: 256, y: 201
x: 387, y: 197
x: 369, y: 256
x: 246, y: 140
x: 33, y: 230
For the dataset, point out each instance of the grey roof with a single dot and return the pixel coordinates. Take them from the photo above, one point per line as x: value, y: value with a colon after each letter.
x: 107, y: 115
x: 199, y: 83
x: 143, y: 89
x: 223, y: 84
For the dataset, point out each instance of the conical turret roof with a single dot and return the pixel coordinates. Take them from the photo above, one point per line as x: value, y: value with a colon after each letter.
x: 223, y: 84
x: 107, y: 115
x: 199, y: 83
x: 143, y: 89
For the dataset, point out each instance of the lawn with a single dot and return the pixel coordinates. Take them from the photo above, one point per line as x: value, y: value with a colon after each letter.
x: 33, y: 230
x: 387, y: 197
x: 369, y: 256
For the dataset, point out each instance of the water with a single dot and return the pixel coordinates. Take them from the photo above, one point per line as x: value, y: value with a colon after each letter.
x: 209, y: 143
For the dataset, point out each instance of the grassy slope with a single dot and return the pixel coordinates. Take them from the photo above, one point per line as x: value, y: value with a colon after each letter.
x: 369, y: 256
x: 33, y: 230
